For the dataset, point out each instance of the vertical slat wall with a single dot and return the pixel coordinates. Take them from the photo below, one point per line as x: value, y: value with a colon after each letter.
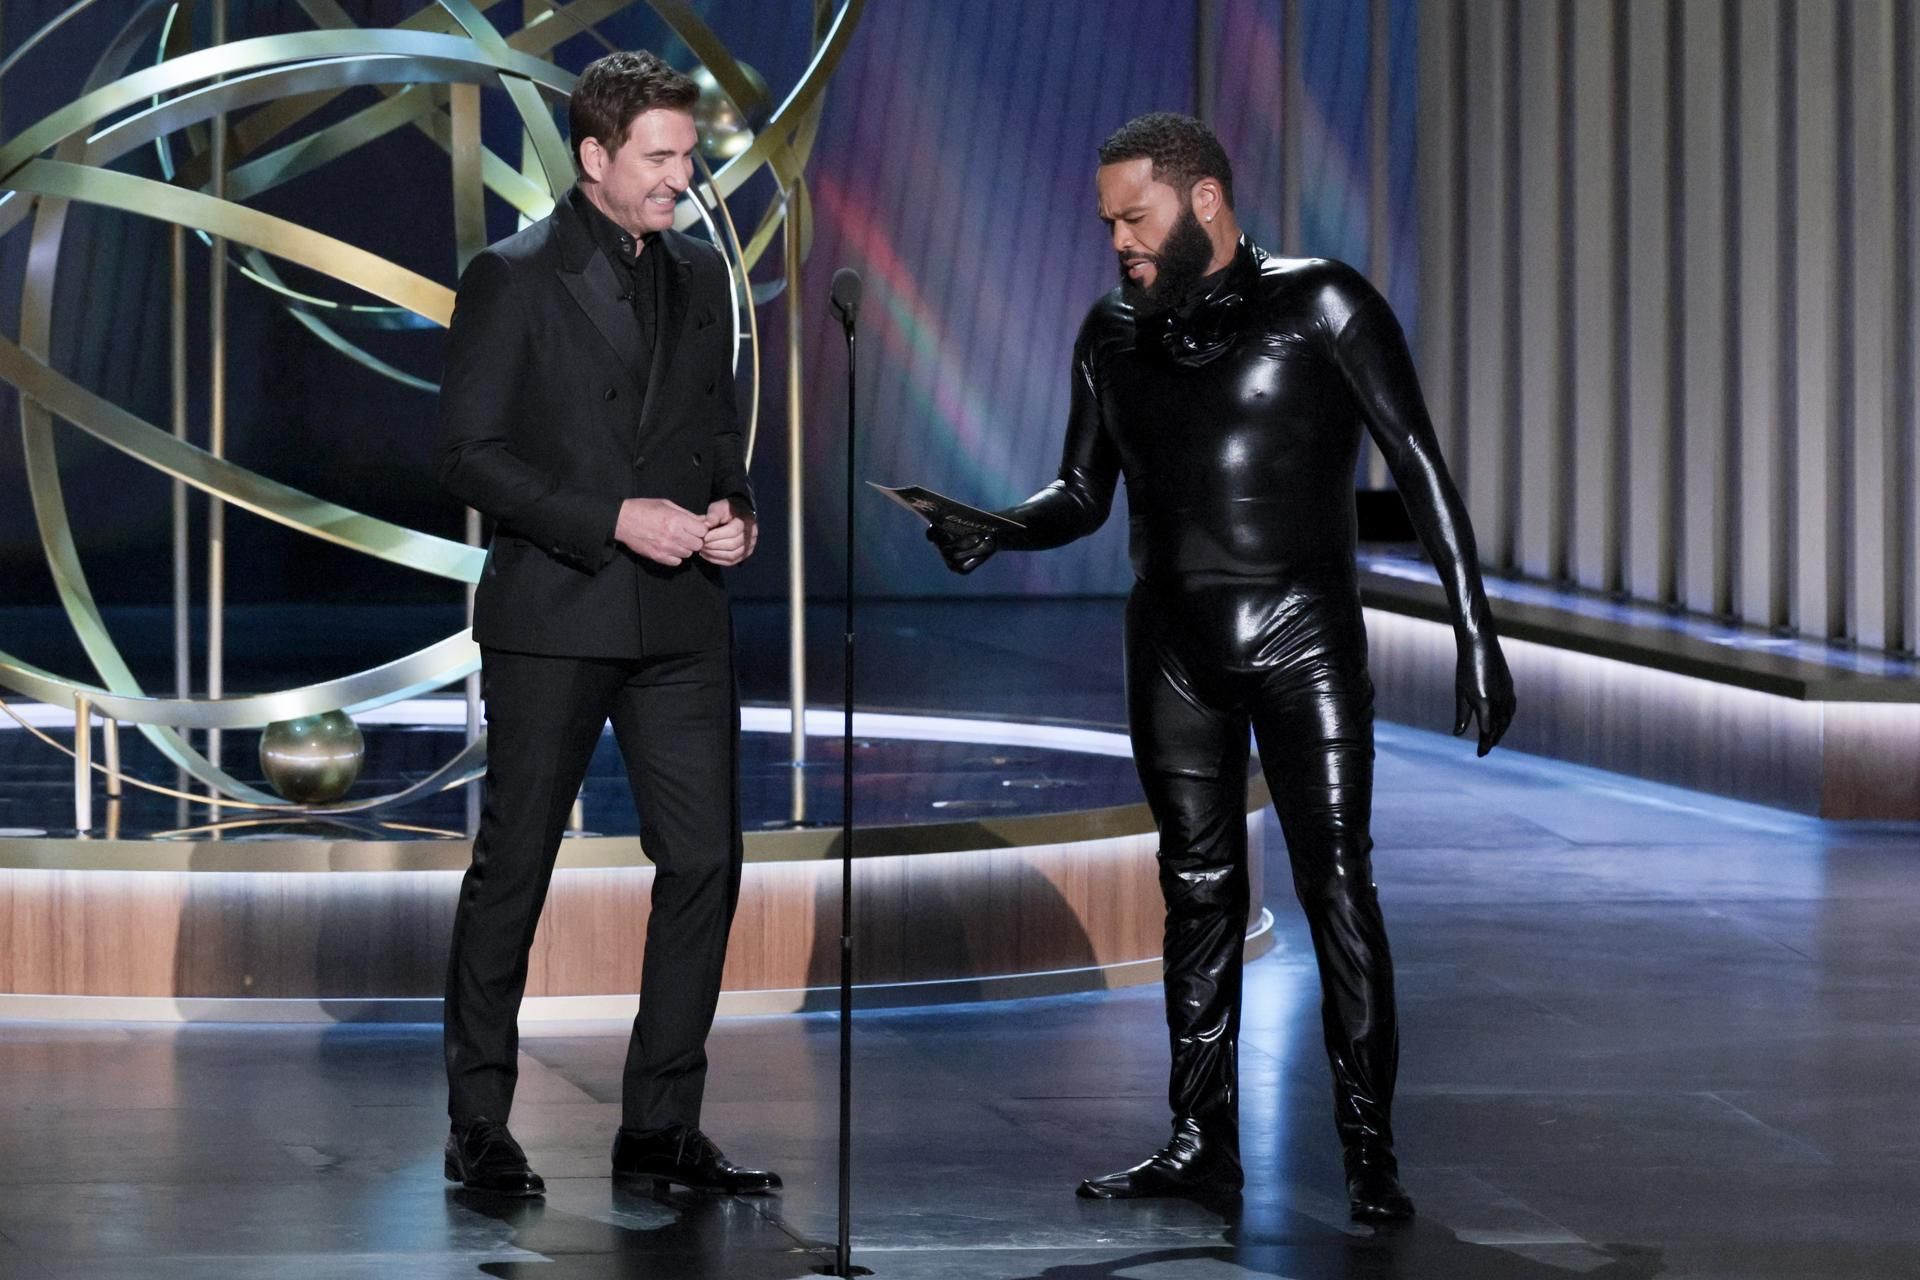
x: 1538, y: 539
x: 1438, y: 178
x: 1816, y: 366
x: 1481, y: 458
x: 1652, y: 296
x: 1668, y: 321
x: 1866, y: 500
x: 1593, y: 272
x: 1703, y: 276
x: 1903, y: 477
x: 1762, y: 242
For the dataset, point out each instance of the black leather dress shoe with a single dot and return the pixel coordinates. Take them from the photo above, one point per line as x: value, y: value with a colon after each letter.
x: 1374, y: 1193
x: 686, y: 1156
x: 482, y: 1156
x: 1191, y: 1166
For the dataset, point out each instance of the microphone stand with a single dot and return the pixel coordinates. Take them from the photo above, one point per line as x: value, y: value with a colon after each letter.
x: 843, y: 1253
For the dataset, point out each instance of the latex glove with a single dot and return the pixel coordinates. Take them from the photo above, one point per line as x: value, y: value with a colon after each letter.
x: 1483, y: 691
x: 963, y: 552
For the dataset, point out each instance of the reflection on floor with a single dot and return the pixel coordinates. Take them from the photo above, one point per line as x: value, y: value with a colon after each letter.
x: 1646, y: 1033
x: 1028, y: 660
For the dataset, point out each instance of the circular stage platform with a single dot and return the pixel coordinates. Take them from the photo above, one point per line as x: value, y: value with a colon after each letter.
x: 993, y: 859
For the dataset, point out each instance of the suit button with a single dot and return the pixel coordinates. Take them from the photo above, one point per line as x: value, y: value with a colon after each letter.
x: 611, y: 393
x: 639, y: 463
x: 698, y: 461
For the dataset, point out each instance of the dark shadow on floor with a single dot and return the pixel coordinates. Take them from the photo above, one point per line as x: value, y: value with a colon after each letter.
x: 1418, y: 1250
x: 698, y: 1237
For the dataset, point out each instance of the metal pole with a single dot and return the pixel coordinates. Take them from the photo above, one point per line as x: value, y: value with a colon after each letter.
x: 82, y: 763
x: 846, y: 867
x: 470, y: 237
x: 182, y: 581
x: 110, y: 739
x: 472, y: 688
x: 217, y: 417
x: 791, y: 234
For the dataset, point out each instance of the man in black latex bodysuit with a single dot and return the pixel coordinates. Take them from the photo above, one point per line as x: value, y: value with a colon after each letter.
x: 1229, y: 388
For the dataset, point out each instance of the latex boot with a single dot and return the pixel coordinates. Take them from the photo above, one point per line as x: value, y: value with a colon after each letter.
x: 1191, y: 1166
x: 1374, y: 1193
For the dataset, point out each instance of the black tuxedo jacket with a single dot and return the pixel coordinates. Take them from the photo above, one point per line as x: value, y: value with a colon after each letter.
x: 544, y: 429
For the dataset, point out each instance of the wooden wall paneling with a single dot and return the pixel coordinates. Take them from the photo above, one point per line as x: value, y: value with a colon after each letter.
x: 591, y: 933
x: 1704, y: 319
x: 1760, y: 594
x: 35, y: 958
x: 12, y: 930
x: 1596, y: 353
x: 1869, y: 769
x: 211, y: 957
x: 1650, y: 284
x: 1616, y: 715
x: 767, y: 940
x: 1816, y: 603
x: 384, y: 934
x: 1543, y: 429
x: 1117, y: 899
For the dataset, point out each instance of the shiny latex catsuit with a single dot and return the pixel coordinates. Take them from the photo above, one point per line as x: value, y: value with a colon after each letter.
x: 1235, y: 419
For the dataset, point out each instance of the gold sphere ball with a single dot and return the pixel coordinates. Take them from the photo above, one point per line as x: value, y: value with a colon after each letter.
x: 724, y: 131
x: 314, y: 759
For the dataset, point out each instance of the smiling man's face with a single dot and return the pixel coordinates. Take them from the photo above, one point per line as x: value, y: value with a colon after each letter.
x: 638, y: 183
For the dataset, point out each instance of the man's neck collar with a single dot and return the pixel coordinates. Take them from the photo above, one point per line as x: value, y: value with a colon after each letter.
x: 607, y: 231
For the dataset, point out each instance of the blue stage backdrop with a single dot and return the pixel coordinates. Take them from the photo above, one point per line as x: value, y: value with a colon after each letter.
x: 954, y: 171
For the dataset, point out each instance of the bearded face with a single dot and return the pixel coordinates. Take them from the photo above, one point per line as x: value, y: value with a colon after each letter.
x: 1181, y: 261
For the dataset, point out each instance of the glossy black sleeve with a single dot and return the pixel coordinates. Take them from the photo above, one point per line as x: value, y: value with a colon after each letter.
x: 474, y: 457
x: 1077, y: 503
x: 1372, y: 354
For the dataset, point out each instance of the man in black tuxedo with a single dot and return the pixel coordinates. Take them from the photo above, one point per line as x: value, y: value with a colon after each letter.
x: 588, y: 410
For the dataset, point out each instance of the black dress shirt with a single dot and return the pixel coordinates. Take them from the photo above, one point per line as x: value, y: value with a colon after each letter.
x: 639, y: 271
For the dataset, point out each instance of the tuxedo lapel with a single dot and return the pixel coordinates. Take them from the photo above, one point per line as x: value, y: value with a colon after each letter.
x: 597, y: 289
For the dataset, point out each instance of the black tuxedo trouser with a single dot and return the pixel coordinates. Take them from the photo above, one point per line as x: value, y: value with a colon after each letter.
x: 676, y: 719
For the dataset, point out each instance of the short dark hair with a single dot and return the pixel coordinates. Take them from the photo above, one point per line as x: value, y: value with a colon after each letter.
x: 613, y: 91
x: 1182, y: 149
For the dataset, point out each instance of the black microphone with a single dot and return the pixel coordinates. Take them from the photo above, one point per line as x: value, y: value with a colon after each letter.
x: 846, y: 297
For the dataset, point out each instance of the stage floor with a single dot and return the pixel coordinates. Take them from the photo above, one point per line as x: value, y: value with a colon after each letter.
x: 1645, y: 1033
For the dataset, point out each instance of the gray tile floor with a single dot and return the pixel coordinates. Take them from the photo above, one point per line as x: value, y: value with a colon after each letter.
x: 1646, y: 1033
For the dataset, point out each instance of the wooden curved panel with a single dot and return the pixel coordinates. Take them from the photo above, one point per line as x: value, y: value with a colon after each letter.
x: 355, y: 935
